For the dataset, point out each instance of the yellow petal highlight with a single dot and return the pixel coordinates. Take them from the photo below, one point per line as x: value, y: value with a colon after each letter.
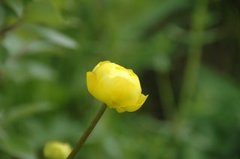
x: 116, y: 86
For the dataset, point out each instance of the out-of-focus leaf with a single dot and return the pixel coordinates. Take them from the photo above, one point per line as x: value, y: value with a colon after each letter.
x: 215, y: 93
x: 155, y: 12
x: 27, y: 110
x: 3, y: 54
x: 61, y: 4
x: 14, y: 44
x: 2, y: 15
x: 40, y: 46
x: 16, y: 5
x: 16, y: 147
x: 22, y: 71
x: 47, y: 41
x: 56, y: 37
x: 40, y: 71
x: 43, y: 12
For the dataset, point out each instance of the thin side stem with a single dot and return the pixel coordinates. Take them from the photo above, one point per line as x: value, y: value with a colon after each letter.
x: 87, y: 132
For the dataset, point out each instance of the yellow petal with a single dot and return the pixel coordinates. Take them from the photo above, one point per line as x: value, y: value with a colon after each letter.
x: 139, y: 103
x: 91, y: 82
x: 124, y: 92
x: 103, y: 68
x: 100, y: 64
x: 97, y: 88
x: 102, y: 88
x: 120, y: 109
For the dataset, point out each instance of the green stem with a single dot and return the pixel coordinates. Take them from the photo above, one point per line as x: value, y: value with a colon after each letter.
x: 87, y: 132
x: 194, y: 56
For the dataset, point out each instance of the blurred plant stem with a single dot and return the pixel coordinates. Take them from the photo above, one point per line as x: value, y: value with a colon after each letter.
x: 87, y: 132
x: 11, y: 27
x: 166, y: 94
x: 199, y: 20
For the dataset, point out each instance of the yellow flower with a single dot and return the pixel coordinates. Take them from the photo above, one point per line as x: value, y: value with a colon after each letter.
x: 116, y: 86
x: 56, y: 150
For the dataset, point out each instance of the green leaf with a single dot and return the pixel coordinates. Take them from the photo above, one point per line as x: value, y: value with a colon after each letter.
x: 56, y: 37
x: 17, y: 6
x: 27, y: 110
x: 17, y: 147
x: 43, y: 12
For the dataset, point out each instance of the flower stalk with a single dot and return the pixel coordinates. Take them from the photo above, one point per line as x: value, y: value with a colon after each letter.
x: 87, y: 132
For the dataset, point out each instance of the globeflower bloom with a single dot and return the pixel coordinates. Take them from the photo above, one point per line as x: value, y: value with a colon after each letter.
x: 56, y: 150
x: 116, y: 86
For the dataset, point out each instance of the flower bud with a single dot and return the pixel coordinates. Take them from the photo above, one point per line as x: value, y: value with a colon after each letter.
x: 56, y: 150
x: 116, y: 86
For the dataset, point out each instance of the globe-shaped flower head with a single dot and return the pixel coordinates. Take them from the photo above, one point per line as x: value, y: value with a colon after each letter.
x: 116, y: 86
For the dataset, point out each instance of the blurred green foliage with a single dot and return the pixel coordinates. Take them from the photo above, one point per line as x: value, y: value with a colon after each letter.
x: 187, y: 55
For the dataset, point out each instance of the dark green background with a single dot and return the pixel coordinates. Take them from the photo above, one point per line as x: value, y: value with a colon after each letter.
x: 187, y: 56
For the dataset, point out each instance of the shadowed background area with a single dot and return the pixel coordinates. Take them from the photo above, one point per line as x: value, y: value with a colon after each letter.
x: 187, y: 56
